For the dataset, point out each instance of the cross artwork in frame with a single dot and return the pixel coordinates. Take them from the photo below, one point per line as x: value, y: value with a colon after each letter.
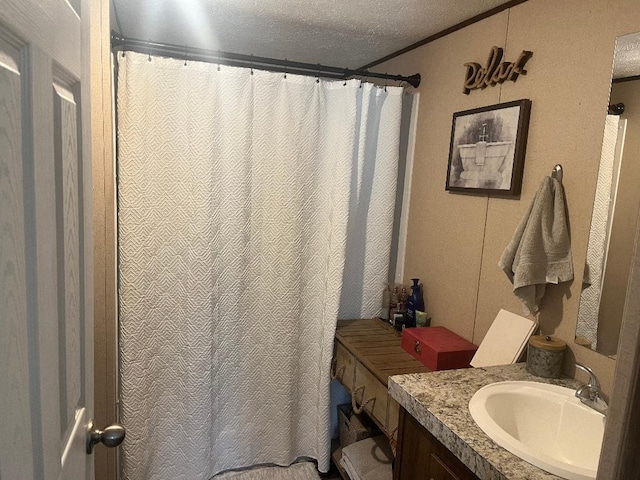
x: 487, y: 148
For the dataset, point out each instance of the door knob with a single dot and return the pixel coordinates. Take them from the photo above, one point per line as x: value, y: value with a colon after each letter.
x: 112, y: 436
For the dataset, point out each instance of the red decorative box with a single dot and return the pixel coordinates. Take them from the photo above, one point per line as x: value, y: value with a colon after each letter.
x: 438, y: 348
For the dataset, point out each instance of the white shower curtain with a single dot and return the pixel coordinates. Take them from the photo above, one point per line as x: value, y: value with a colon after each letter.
x: 237, y: 193
x: 587, y: 326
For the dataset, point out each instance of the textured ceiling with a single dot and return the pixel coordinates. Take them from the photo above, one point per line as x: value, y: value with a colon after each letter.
x: 627, y: 57
x: 345, y: 33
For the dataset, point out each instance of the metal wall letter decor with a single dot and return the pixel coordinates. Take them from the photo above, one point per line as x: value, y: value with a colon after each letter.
x: 495, y: 71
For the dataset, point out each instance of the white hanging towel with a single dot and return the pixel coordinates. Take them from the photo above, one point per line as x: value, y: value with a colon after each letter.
x: 540, y: 250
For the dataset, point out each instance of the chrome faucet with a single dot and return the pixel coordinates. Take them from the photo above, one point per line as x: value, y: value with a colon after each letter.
x: 590, y: 394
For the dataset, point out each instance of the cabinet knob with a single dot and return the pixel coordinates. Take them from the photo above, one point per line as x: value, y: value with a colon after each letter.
x: 416, y: 348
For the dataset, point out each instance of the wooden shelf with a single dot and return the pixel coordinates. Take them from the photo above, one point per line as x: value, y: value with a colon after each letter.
x: 366, y: 353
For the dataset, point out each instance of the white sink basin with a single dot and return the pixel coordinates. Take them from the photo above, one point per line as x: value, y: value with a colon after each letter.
x: 545, y: 425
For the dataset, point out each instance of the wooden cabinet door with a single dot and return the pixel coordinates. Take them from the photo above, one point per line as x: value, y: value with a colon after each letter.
x: 414, y: 450
x: 438, y: 470
x: 421, y: 456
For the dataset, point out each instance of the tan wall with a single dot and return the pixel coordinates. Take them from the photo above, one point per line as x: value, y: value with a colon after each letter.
x: 623, y: 230
x: 455, y: 241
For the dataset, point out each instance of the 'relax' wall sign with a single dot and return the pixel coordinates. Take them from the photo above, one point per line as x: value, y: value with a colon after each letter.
x: 495, y: 71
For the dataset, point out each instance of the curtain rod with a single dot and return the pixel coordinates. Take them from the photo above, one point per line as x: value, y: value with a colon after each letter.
x: 250, y: 61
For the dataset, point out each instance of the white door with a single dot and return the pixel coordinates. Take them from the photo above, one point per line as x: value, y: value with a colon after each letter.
x: 46, y: 309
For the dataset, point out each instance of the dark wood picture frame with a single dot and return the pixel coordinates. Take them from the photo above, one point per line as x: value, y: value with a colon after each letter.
x: 487, y: 149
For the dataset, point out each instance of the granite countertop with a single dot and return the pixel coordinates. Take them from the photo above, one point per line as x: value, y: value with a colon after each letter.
x: 440, y: 402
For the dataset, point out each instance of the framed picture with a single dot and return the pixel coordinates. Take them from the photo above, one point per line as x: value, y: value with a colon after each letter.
x: 487, y: 148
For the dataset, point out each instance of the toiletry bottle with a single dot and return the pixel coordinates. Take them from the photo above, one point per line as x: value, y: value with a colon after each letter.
x: 393, y: 305
x: 399, y: 318
x: 386, y: 300
x: 400, y: 322
x: 414, y: 302
x: 402, y: 301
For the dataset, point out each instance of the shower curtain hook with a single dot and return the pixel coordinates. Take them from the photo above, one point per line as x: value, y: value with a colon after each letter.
x: 251, y: 64
x: 185, y: 55
x: 149, y: 49
x: 218, y: 58
x: 318, y: 74
x: 124, y: 46
x: 385, y: 83
x: 366, y: 77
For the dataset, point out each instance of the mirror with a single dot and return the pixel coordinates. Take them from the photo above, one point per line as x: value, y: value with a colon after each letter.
x: 613, y: 222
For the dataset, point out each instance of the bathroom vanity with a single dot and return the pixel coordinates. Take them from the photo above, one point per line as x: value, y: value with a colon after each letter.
x: 426, y: 414
x: 438, y: 438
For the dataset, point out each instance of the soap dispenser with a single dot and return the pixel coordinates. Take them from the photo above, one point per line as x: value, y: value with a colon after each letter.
x: 414, y: 302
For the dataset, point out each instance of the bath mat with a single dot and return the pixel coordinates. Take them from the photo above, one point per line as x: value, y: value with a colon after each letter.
x: 297, y: 471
